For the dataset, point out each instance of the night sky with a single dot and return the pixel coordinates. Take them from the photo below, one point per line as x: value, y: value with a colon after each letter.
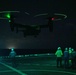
x: 64, y: 32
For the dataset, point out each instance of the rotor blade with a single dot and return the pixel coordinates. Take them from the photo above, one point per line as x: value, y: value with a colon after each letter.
x: 9, y: 11
x: 41, y: 14
x: 2, y: 18
x: 27, y: 13
x: 65, y: 16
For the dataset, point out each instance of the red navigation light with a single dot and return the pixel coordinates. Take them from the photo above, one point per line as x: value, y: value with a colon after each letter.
x: 52, y: 18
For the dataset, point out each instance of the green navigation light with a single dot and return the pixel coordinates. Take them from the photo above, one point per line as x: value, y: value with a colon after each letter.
x: 7, y: 15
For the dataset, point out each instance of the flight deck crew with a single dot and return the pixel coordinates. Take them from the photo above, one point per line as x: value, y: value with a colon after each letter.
x: 59, y: 57
x: 66, y: 58
x: 70, y: 55
x: 12, y: 56
x: 73, y: 58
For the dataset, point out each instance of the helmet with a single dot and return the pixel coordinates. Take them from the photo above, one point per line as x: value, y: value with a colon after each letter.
x: 66, y: 48
x: 12, y: 49
x: 69, y: 48
x: 72, y: 49
x: 59, y: 47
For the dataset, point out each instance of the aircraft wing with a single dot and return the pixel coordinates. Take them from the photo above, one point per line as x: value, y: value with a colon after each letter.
x: 38, y: 26
x: 20, y: 25
x: 43, y: 26
x: 29, y: 27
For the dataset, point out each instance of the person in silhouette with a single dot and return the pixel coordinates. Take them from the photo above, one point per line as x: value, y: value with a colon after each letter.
x: 73, y: 58
x: 66, y: 58
x: 12, y: 56
x: 59, y: 54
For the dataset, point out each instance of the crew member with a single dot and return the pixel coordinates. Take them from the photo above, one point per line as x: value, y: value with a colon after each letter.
x: 59, y: 57
x: 12, y: 56
x: 73, y: 58
x: 66, y: 58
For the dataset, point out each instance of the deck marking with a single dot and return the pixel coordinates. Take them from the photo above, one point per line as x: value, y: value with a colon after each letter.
x: 18, y: 71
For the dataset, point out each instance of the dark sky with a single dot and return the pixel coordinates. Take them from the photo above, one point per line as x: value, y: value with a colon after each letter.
x: 64, y: 32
